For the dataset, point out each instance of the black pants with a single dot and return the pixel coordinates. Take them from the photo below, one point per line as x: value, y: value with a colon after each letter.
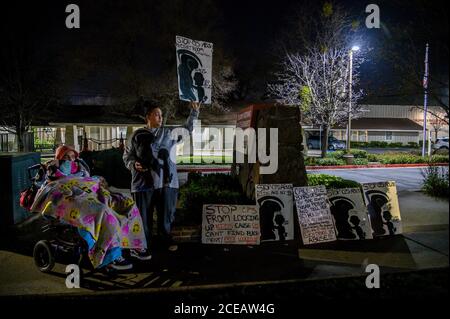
x: 164, y: 200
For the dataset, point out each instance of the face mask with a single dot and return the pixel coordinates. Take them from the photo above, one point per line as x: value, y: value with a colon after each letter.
x: 68, y: 167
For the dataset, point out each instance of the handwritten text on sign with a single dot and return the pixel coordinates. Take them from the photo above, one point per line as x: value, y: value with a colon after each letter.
x: 316, y: 224
x: 230, y: 224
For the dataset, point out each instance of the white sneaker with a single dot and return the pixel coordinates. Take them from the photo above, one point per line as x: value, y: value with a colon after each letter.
x: 121, y: 264
x: 142, y: 254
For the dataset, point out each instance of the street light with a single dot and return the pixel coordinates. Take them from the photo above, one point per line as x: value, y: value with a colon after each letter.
x: 349, y: 127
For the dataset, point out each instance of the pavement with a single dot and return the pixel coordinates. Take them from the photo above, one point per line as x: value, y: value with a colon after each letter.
x: 406, y: 178
x: 195, y: 267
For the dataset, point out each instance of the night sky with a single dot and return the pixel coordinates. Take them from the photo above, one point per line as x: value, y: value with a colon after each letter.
x: 244, y: 30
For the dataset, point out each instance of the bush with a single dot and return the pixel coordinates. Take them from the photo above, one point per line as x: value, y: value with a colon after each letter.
x: 355, y: 152
x: 310, y: 161
x: 442, y: 151
x: 416, y: 152
x: 413, y: 144
x: 329, y: 162
x: 360, y: 161
x: 380, y: 144
x: 208, y: 189
x: 436, y: 181
x: 372, y: 157
x: 359, y: 153
x: 396, y: 144
x: 336, y: 154
x: 401, y: 159
x: 330, y: 181
x: 439, y: 159
x: 360, y: 144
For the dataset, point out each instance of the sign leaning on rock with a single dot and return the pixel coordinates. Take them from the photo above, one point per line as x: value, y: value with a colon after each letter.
x: 230, y: 224
x: 383, y: 208
x: 314, y: 215
x: 349, y: 213
x: 276, y: 211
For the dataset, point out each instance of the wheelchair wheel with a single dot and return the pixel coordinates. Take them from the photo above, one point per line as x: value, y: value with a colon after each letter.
x: 43, y: 256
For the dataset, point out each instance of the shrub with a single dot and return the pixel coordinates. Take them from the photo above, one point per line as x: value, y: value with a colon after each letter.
x: 439, y: 158
x: 330, y: 181
x: 380, y: 144
x: 413, y: 144
x: 360, y: 161
x: 436, y: 181
x: 417, y: 152
x: 336, y: 154
x: 401, y: 159
x: 360, y: 144
x: 329, y: 162
x: 208, y: 189
x: 372, y: 157
x: 396, y: 144
x: 442, y: 151
x: 310, y: 161
x: 359, y: 153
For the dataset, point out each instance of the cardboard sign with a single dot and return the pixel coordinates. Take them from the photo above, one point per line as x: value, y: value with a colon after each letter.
x: 349, y: 213
x: 314, y: 216
x: 194, y: 66
x: 230, y: 224
x: 276, y: 211
x: 383, y: 208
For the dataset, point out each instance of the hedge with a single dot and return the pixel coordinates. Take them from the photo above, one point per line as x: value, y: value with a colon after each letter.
x: 330, y: 181
x: 383, y: 144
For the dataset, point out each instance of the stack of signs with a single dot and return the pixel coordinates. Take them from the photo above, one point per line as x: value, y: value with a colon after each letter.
x: 194, y: 66
x: 349, y: 214
x: 316, y: 223
x: 383, y: 208
x: 276, y: 211
x: 230, y: 224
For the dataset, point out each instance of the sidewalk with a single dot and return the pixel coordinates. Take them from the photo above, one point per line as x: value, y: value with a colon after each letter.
x: 197, y: 265
x: 423, y: 246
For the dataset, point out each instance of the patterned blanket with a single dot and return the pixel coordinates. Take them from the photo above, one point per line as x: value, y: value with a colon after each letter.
x: 111, y: 219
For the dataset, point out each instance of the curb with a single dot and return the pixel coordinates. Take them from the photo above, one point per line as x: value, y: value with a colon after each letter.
x: 374, y: 166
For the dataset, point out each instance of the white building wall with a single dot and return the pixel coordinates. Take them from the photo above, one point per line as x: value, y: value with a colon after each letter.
x: 407, y: 111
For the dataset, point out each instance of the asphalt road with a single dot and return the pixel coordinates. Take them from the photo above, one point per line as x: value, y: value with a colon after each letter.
x: 406, y: 178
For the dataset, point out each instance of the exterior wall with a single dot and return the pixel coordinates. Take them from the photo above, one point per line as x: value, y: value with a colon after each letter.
x: 396, y: 137
x: 411, y: 112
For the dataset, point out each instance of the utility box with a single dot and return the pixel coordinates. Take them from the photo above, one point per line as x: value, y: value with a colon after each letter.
x: 14, y: 178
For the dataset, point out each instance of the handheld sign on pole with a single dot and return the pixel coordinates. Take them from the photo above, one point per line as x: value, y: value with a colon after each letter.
x: 314, y: 216
x: 194, y: 68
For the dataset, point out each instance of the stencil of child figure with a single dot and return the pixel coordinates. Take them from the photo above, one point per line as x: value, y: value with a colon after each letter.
x: 388, y: 217
x: 279, y: 220
x: 359, y: 231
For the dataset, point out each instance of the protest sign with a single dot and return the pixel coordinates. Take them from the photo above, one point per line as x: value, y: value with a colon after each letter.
x: 349, y: 213
x: 383, y: 208
x: 314, y: 216
x: 230, y: 224
x: 194, y: 67
x: 276, y: 211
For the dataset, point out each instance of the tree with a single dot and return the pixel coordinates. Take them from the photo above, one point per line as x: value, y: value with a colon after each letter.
x: 315, y: 75
x: 29, y: 73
